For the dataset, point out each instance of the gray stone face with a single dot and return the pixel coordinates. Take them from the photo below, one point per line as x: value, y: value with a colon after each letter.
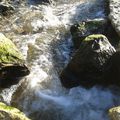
x: 115, y: 14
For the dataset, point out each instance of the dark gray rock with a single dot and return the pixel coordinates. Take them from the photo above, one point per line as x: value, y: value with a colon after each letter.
x: 81, y: 30
x: 112, y: 69
x: 87, y: 65
x: 6, y: 9
x: 96, y: 26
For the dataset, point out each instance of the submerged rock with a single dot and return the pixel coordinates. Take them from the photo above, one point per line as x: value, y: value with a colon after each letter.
x: 12, y: 64
x: 81, y: 30
x: 114, y: 14
x: 6, y: 9
x: 87, y: 65
x: 11, y: 113
x: 114, y: 113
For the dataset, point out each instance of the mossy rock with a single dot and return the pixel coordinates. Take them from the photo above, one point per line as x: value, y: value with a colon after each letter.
x: 87, y: 66
x: 94, y: 37
x: 81, y: 30
x: 12, y: 63
x: 114, y: 113
x: 11, y: 113
x: 8, y: 52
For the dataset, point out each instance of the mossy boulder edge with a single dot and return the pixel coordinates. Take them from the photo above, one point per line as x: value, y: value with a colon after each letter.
x: 11, y: 113
x: 12, y: 63
x: 9, y: 54
x: 81, y: 30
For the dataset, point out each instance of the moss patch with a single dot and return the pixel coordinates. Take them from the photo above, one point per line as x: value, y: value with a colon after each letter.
x: 81, y: 30
x: 11, y: 112
x: 8, y: 51
x: 93, y: 37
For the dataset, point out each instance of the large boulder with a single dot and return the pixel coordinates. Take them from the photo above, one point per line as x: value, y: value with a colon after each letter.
x: 11, y: 113
x: 12, y: 64
x: 87, y: 65
x: 114, y: 14
x: 114, y: 113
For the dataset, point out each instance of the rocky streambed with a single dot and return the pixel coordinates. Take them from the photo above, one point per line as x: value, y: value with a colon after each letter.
x: 72, y: 50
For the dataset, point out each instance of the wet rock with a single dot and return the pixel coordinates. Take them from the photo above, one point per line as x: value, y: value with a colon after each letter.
x: 17, y: 96
x: 11, y: 113
x: 81, y: 30
x: 112, y: 69
x: 12, y: 64
x: 114, y: 113
x: 96, y: 26
x: 6, y: 9
x: 112, y: 35
x: 87, y: 65
x: 114, y: 14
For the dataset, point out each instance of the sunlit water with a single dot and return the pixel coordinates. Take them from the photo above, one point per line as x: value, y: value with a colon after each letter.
x: 41, y: 32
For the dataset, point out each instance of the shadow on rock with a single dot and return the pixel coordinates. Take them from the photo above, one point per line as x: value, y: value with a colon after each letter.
x: 87, y: 67
x: 12, y: 63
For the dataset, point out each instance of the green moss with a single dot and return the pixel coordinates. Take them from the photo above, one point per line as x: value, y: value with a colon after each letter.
x: 83, y: 29
x: 93, y: 37
x: 13, y: 113
x: 8, y: 51
x: 3, y: 106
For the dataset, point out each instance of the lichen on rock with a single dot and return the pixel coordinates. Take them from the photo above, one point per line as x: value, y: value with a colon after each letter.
x: 8, y: 52
x: 94, y: 37
x: 11, y: 113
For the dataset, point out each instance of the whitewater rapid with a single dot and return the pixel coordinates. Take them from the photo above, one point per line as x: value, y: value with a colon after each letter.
x: 41, y: 32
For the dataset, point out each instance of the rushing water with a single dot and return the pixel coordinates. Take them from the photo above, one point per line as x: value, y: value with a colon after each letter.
x: 42, y: 33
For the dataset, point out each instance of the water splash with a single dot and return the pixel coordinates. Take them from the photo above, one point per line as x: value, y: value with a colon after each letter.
x: 42, y: 34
